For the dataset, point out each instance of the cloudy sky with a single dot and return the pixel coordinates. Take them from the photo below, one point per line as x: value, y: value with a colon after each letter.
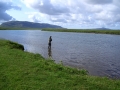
x: 66, y: 13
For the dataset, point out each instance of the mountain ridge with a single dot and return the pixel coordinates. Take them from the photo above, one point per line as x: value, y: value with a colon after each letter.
x: 27, y: 24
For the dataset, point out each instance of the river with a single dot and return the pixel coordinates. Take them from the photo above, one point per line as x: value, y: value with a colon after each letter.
x: 97, y: 53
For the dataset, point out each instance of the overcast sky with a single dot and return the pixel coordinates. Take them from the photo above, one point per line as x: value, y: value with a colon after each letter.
x: 66, y: 13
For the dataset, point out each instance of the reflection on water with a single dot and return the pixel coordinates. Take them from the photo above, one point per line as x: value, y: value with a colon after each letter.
x: 97, y: 53
x: 49, y: 52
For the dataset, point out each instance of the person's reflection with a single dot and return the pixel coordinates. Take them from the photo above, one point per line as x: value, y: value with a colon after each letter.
x: 49, y: 52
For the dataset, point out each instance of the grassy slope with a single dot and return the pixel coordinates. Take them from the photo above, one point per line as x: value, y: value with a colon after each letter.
x: 117, y: 32
x: 26, y: 71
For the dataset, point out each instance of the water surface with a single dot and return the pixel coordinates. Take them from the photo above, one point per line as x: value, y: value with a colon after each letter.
x: 97, y: 53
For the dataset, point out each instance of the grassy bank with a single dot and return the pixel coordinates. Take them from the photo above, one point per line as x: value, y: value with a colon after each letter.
x: 117, y: 32
x: 21, y: 70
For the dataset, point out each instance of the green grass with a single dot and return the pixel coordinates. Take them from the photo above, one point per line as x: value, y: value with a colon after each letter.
x: 117, y: 32
x: 21, y: 70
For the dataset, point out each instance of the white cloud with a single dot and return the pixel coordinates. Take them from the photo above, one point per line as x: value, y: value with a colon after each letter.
x: 81, y: 12
x: 38, y: 17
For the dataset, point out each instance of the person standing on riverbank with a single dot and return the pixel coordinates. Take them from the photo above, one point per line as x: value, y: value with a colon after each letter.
x: 49, y: 43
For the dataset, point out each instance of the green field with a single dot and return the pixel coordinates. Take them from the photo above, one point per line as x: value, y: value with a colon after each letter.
x: 21, y: 70
x: 117, y: 32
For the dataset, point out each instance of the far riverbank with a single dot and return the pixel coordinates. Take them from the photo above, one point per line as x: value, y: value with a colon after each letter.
x: 116, y: 32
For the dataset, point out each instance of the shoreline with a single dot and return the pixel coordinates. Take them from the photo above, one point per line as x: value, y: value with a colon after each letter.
x: 113, y: 32
x: 96, y: 31
x: 23, y: 70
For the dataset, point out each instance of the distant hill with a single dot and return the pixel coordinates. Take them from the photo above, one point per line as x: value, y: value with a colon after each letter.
x: 103, y: 28
x: 26, y: 24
